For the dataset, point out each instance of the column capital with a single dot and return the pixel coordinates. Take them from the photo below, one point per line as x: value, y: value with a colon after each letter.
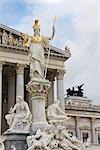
x: 77, y: 118
x: 60, y: 74
x: 93, y: 119
x: 1, y: 65
x: 20, y: 68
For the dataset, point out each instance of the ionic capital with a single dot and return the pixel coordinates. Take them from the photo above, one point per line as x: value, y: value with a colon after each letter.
x: 1, y: 65
x: 60, y: 74
x: 20, y: 68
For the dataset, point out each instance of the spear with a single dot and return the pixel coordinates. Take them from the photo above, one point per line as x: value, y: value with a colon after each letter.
x: 50, y: 47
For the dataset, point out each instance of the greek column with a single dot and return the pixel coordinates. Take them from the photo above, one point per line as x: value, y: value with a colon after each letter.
x: 77, y: 127
x: 60, y: 88
x: 93, y: 130
x: 20, y: 80
x: 51, y: 94
x: 1, y: 67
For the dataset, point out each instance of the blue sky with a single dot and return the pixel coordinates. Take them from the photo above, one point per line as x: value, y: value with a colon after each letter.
x: 11, y: 11
x: 77, y: 25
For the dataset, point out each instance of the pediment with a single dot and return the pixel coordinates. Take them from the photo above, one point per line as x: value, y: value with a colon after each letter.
x: 70, y: 126
x: 16, y: 34
x: 85, y: 127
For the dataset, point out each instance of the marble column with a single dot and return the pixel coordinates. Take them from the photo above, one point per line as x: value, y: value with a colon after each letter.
x: 77, y: 127
x: 38, y: 90
x: 93, y: 134
x: 1, y: 67
x: 51, y: 94
x: 20, y: 80
x: 11, y: 89
x: 60, y: 88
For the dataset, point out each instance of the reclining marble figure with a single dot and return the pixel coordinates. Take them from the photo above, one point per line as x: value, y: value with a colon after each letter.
x: 55, y: 114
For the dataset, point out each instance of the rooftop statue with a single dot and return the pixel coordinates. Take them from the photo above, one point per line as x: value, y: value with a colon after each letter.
x: 25, y: 38
x: 74, y: 92
x: 19, y: 117
x: 10, y: 39
x: 4, y: 38
x: 36, y: 46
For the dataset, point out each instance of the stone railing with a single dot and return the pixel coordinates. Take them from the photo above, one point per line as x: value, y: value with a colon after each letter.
x: 82, y: 107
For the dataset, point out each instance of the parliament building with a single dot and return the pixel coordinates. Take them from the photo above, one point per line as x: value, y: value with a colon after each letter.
x: 14, y: 76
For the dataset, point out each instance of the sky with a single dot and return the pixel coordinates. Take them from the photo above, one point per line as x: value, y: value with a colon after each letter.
x: 77, y: 26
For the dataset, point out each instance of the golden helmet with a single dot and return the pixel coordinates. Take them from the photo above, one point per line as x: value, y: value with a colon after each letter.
x: 36, y: 24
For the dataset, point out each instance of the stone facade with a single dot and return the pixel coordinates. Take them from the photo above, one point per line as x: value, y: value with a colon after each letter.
x: 14, y: 76
x: 85, y: 119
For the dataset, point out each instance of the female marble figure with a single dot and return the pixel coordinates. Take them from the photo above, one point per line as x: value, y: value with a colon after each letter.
x: 20, y: 116
x: 4, y: 38
x: 10, y: 39
x: 37, y: 44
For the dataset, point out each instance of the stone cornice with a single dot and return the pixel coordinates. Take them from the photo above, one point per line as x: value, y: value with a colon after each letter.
x: 56, y: 52
x: 26, y: 50
x: 14, y: 47
x: 88, y: 109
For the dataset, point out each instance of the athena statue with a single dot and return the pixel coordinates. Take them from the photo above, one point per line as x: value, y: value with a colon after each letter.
x: 37, y: 43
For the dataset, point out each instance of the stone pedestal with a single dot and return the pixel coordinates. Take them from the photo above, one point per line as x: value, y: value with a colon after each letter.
x: 38, y: 90
x: 16, y: 139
